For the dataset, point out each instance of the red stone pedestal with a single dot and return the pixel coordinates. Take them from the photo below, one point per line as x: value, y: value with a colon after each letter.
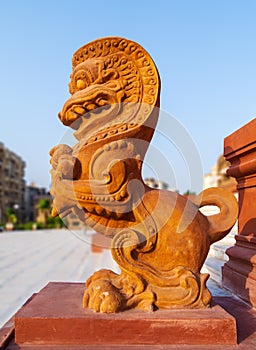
x: 55, y: 317
x: 239, y: 273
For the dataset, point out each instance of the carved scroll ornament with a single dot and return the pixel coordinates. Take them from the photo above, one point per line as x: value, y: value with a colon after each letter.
x: 160, y: 239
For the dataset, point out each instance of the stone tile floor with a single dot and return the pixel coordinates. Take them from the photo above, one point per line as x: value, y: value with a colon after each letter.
x: 30, y: 259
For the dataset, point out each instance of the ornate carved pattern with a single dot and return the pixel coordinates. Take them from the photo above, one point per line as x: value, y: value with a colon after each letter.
x: 159, y: 238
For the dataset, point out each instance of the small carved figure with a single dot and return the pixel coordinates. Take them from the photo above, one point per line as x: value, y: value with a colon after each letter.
x: 160, y: 239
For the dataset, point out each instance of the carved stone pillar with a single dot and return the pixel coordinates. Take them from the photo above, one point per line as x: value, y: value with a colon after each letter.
x: 239, y: 273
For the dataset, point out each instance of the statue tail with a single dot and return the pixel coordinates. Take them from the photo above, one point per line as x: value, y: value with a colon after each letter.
x: 221, y: 223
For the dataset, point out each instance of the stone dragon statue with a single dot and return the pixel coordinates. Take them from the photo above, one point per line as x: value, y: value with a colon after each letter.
x: 160, y: 239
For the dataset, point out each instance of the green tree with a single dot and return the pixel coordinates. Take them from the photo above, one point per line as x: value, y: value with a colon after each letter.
x: 11, y: 217
x: 44, y: 207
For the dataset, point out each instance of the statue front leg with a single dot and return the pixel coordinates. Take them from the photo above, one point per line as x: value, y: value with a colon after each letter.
x: 101, y: 294
x: 109, y: 292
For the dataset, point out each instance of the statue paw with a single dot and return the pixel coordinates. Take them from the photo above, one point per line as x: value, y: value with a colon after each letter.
x: 102, y: 296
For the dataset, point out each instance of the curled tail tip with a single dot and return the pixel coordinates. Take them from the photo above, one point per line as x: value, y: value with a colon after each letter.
x: 219, y: 224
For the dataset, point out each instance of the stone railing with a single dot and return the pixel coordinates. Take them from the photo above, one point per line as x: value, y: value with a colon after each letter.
x: 239, y: 273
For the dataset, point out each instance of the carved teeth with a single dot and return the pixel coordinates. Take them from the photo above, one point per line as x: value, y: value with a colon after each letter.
x: 122, y: 144
x: 106, y: 147
x: 71, y: 116
x: 118, y: 197
x: 91, y: 106
x: 99, y: 210
x: 115, y: 145
x: 100, y: 199
x: 130, y: 147
x: 79, y: 110
x: 123, y: 194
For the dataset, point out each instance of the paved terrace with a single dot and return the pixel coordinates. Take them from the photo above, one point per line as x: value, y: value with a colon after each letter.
x: 30, y: 259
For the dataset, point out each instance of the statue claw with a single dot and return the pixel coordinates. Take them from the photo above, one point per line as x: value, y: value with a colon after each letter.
x: 102, y: 296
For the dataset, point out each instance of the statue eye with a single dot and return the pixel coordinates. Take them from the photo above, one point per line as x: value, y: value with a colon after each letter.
x: 81, y: 84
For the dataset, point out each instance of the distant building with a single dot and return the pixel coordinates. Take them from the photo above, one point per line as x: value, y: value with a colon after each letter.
x: 153, y: 183
x: 12, y: 184
x: 218, y: 176
x: 72, y: 222
x: 32, y: 196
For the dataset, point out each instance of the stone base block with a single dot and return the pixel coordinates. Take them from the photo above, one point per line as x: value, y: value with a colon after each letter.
x: 55, y: 316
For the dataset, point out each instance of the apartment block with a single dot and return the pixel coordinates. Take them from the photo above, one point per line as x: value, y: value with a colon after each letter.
x: 12, y: 183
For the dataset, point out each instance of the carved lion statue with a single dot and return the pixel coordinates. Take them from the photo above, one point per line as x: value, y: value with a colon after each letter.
x: 160, y: 239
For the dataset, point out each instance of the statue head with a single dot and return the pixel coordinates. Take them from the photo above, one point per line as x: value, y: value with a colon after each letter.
x: 114, y: 84
x: 113, y: 109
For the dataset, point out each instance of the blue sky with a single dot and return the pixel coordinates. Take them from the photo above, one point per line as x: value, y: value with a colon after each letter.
x: 205, y: 52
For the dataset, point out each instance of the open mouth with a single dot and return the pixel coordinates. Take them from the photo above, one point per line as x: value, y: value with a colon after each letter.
x: 76, y: 111
x: 81, y: 105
